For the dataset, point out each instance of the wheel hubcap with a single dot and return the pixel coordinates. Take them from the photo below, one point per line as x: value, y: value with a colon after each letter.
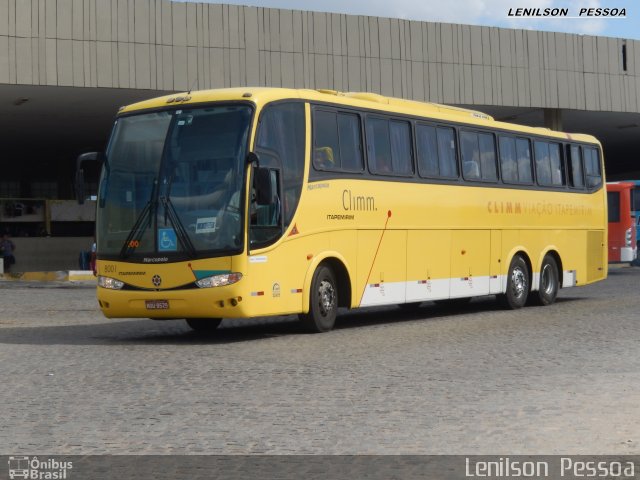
x: 327, y: 297
x: 547, y: 280
x: 518, y: 282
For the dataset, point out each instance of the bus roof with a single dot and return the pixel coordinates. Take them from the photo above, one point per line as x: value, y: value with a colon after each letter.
x: 365, y: 100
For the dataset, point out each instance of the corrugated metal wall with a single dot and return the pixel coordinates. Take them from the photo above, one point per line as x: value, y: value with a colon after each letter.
x: 163, y: 45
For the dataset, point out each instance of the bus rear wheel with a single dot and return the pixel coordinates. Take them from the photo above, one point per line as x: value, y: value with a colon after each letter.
x: 518, y: 284
x: 323, y: 302
x: 549, y: 282
x: 203, y: 325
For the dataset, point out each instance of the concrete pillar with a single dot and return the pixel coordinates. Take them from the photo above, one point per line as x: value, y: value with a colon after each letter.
x: 553, y: 118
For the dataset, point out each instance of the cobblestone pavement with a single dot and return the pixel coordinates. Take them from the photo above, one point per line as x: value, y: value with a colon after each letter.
x: 478, y: 379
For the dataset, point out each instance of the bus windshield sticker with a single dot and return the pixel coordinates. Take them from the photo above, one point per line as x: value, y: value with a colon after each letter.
x: 206, y: 225
x: 167, y: 240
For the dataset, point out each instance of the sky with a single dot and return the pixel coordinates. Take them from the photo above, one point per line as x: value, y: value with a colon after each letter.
x: 492, y: 13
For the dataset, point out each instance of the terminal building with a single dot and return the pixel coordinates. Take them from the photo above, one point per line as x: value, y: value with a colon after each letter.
x: 67, y: 66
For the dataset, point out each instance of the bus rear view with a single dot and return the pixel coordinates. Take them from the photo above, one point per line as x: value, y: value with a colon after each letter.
x: 622, y: 228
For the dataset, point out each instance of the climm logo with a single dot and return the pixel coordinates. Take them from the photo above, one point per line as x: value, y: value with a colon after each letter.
x: 359, y: 203
x: 537, y: 208
x: 504, y: 207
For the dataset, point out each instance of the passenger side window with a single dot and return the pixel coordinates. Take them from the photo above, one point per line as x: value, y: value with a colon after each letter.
x: 488, y: 157
x: 525, y: 168
x: 337, y: 141
x: 470, y: 156
x: 508, y: 162
x: 427, y: 151
x: 378, y: 146
x: 543, y: 167
x: 576, y: 178
x: 350, y: 137
x: 478, y: 156
x: 401, y: 148
x: 447, y: 152
x: 557, y: 170
x: 389, y: 147
x: 549, y: 169
x: 592, y: 167
x: 326, y: 147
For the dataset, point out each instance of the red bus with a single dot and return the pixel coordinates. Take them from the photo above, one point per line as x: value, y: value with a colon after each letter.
x: 622, y: 229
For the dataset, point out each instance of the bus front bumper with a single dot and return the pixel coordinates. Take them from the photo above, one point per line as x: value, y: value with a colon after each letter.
x: 220, y: 302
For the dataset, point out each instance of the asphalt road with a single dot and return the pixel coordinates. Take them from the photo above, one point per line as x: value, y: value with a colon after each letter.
x: 472, y: 380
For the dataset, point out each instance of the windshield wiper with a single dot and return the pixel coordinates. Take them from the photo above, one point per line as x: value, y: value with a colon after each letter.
x: 181, y: 232
x: 130, y: 244
x: 172, y: 215
x: 136, y: 231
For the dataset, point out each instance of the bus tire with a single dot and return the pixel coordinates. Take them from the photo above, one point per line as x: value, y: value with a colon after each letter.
x: 323, y: 302
x: 549, y: 282
x: 518, y: 284
x: 203, y: 325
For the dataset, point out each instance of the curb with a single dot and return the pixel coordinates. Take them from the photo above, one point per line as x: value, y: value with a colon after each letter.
x: 57, y: 276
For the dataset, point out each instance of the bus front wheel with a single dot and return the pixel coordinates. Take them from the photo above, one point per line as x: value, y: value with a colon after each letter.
x: 323, y: 302
x: 518, y: 285
x: 204, y: 325
x: 549, y: 281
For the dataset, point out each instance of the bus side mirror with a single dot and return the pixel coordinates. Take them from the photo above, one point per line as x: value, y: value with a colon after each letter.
x: 80, y: 186
x: 263, y: 185
x: 252, y: 159
x: 85, y: 157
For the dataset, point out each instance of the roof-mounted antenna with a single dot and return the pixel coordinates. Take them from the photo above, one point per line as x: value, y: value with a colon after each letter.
x: 193, y: 86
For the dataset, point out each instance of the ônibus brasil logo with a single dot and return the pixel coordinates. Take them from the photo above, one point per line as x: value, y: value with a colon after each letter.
x: 34, y: 469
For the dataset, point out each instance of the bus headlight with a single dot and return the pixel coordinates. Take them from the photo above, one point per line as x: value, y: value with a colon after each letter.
x: 627, y: 237
x: 111, y: 283
x: 219, y: 280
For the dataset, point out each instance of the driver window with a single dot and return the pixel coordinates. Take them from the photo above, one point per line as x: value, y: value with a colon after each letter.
x: 280, y: 144
x: 265, y: 220
x: 268, y: 215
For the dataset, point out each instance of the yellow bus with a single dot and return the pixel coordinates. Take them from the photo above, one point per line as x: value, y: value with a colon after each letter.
x: 249, y: 202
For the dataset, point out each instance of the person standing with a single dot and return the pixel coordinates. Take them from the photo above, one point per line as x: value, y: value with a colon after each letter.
x: 92, y: 258
x: 7, y: 247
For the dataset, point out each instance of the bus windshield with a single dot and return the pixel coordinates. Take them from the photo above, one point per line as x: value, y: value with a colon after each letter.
x: 172, y: 183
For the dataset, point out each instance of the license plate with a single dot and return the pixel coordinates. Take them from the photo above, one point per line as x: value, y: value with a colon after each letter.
x: 157, y: 304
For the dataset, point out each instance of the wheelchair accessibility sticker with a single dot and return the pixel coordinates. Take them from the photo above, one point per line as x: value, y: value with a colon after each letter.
x: 167, y: 240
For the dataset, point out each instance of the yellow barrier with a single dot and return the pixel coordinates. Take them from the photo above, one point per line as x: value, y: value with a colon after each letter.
x: 58, y: 276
